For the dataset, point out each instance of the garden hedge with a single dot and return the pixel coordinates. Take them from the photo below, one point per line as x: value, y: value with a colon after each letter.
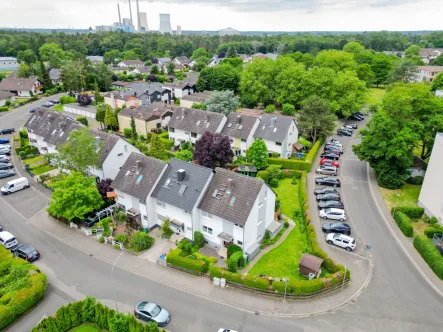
x: 167, y: 143
x: 313, y: 152
x: 19, y: 289
x: 290, y: 163
x: 413, y: 212
x: 404, y: 223
x: 430, y: 254
x: 196, y: 265
x: 429, y: 232
x: 91, y: 312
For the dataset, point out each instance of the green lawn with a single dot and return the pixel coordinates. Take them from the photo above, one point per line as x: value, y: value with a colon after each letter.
x: 85, y: 328
x: 41, y: 169
x: 408, y: 195
x: 32, y: 160
x: 375, y: 95
x: 282, y: 261
x: 58, y: 108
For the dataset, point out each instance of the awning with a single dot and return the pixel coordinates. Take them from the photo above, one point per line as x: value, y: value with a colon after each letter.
x: 133, y: 212
x: 176, y: 223
x: 111, y: 194
x: 226, y: 237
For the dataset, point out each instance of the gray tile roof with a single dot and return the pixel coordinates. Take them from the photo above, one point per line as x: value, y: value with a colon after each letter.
x: 133, y: 62
x: 183, y: 59
x: 5, y: 95
x: 146, y: 88
x: 109, y: 141
x: 239, y: 125
x: 53, y: 126
x: 12, y: 83
x: 196, y: 121
x: 128, y: 178
x: 425, y: 52
x: 273, y: 127
x: 234, y: 205
x: 199, y: 97
x: 164, y: 60
x: 193, y: 184
x: 144, y: 69
x: 148, y: 112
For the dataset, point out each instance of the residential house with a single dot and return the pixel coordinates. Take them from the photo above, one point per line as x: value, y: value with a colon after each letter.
x: 178, y: 194
x: 272, y: 56
x: 188, y: 125
x: 430, y: 197
x: 22, y: 87
x: 118, y: 70
x: 181, y: 60
x: 141, y: 70
x: 130, y: 63
x: 163, y: 61
x: 146, y: 117
x: 55, y: 76
x: 48, y: 128
x: 215, y: 60
x: 429, y: 54
x: 236, y: 209
x: 134, y: 185
x: 245, y: 57
x: 113, y: 155
x: 5, y: 96
x: 196, y: 98
x: 119, y: 84
x: 280, y: 133
x: 427, y: 73
x: 192, y: 63
x: 184, y: 88
x: 8, y: 63
x: 148, y: 93
x: 88, y: 111
x: 117, y: 99
x: 400, y: 54
x: 179, y: 67
x: 240, y: 129
x: 95, y: 58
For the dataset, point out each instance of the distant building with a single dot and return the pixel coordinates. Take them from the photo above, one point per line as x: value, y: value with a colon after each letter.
x: 165, y: 23
x: 228, y: 32
x: 427, y: 73
x: 55, y: 76
x: 179, y: 30
x: 21, y: 87
x: 143, y: 22
x: 104, y: 28
x: 95, y: 58
x: 131, y: 63
x: 8, y: 63
x: 429, y: 54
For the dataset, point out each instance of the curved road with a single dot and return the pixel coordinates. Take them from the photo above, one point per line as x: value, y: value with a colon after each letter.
x: 397, y: 299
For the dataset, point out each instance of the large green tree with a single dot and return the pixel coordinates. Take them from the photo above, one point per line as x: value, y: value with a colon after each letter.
x: 199, y: 53
x: 27, y: 56
x: 157, y: 148
x: 221, y: 77
x: 222, y: 102
x: 232, y: 52
x: 44, y: 77
x: 73, y: 76
x: 258, y: 154
x: 412, y: 53
x: 403, y: 70
x: 23, y: 71
x: 438, y: 61
x: 337, y: 60
x: 52, y: 52
x: 100, y: 114
x: 381, y: 66
x: 74, y: 196
x: 437, y: 83
x: 353, y: 47
x: 111, y: 120
x: 365, y: 73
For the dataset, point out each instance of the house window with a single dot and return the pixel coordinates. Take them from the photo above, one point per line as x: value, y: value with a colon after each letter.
x: 194, y: 135
x: 278, y: 143
x: 159, y: 125
x: 260, y: 222
x: 238, y: 225
x: 186, y: 132
x: 125, y: 148
x: 207, y: 229
x: 189, y: 228
x: 160, y: 203
x: 239, y: 243
x: 260, y: 205
x: 243, y: 140
x: 120, y: 154
x: 142, y: 201
x: 171, y: 130
x: 145, y: 217
x: 206, y: 214
x: 187, y: 212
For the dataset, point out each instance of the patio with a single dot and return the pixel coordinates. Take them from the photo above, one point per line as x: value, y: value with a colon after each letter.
x: 208, y: 251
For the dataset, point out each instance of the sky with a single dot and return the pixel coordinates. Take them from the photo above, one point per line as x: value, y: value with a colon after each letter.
x: 243, y: 15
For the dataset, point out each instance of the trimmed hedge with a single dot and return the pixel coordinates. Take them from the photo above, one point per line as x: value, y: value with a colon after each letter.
x: 20, y: 291
x: 429, y: 232
x: 167, y: 143
x: 404, y: 223
x: 413, y: 212
x: 430, y: 254
x: 290, y: 163
x: 91, y: 312
x: 196, y: 265
x: 313, y: 152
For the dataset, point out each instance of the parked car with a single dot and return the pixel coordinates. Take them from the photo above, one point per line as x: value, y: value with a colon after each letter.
x: 330, y: 155
x: 348, y: 129
x: 334, y: 148
x: 327, y: 170
x: 6, y: 166
x: 4, y: 159
x: 6, y: 173
x: 8, y: 240
x: 337, y: 227
x: 151, y: 312
x: 15, y: 185
x: 333, y: 213
x: 7, y: 131
x: 330, y: 204
x: 91, y: 220
x: 328, y: 197
x: 54, y: 102
x: 325, y: 190
x: 341, y: 132
x: 4, y: 140
x: 328, y: 181
x: 351, y: 125
x: 5, y: 147
x: 341, y: 240
x: 329, y: 162
x: 355, y: 117
x: 4, y: 152
x: 33, y: 110
x: 360, y: 114
x: 334, y: 141
x: 47, y: 104
x: 27, y: 252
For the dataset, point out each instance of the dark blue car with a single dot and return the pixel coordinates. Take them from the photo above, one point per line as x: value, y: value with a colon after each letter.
x: 4, y: 140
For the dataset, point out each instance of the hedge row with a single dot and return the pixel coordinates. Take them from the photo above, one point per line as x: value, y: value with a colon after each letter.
x: 290, y: 163
x: 430, y: 254
x: 167, y: 143
x: 429, y: 232
x: 196, y: 265
x: 4, y: 109
x: 92, y: 312
x: 413, y: 212
x: 15, y: 301
x: 404, y: 223
x: 313, y: 152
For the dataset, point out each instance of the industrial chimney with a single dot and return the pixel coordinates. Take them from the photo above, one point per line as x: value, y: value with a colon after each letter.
x: 139, y: 28
x: 119, y: 16
x: 130, y: 13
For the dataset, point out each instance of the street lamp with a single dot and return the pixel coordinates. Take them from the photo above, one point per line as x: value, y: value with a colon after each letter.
x: 112, y: 278
x: 396, y: 203
x: 286, y: 280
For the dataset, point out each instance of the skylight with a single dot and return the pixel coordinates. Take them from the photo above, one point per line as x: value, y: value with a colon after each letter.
x: 231, y: 203
x: 230, y: 125
x: 139, y: 179
x: 182, y: 189
x: 240, y: 127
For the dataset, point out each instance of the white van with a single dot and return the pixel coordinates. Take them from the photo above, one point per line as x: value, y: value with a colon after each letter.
x: 15, y: 185
x: 8, y: 240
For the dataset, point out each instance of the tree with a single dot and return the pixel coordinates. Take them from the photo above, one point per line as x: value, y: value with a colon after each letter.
x: 222, y: 102
x: 437, y: 83
x: 353, y: 47
x: 258, y: 154
x: 337, y: 60
x: 219, y: 78
x: 80, y: 152
x: 412, y: 53
x: 97, y: 96
x: 257, y: 82
x: 44, y: 77
x: 185, y: 155
x: 156, y: 148
x: 133, y: 129
x: 52, y: 52
x: 171, y: 68
x: 100, y: 114
x: 111, y: 121
x: 213, y: 150
x: 154, y: 69
x: 73, y: 76
x: 199, y: 53
x: 111, y: 57
x: 27, y: 56
x: 364, y: 73
x: 74, y: 196
x: 438, y: 61
x: 316, y: 119
x: 288, y: 109
x: 83, y: 120
x: 23, y: 71
x: 305, y: 58
x: 364, y: 57
x: 403, y: 70
x: 84, y: 99
x: 232, y: 52
x: 201, y: 64
x: 381, y: 66
x: 104, y: 187
x: 237, y: 63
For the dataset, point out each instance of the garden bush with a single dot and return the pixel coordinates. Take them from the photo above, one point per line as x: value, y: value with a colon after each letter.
x: 101, y: 240
x: 429, y: 232
x: 83, y: 120
x: 270, y: 109
x: 430, y: 254
x: 4, y: 109
x: 141, y: 241
x: 313, y: 152
x: 199, y: 239
x: 416, y: 180
x: 233, y: 248
x: 236, y: 261
x: 404, y: 223
x: 67, y: 100
x: 288, y: 109
x: 167, y: 143
x: 290, y: 163
x: 174, y: 258
x: 273, y: 183
x: 22, y: 154
x: 122, y: 238
x: 433, y: 220
x: 277, y: 205
x: 127, y: 132
x: 413, y: 212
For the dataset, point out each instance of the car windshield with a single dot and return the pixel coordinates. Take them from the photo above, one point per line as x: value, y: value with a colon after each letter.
x: 33, y: 253
x: 336, y: 236
x: 153, y: 309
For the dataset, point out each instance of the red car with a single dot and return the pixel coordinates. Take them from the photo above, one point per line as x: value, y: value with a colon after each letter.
x: 329, y: 162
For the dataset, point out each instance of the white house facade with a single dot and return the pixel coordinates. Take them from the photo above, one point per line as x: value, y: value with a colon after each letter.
x: 240, y: 129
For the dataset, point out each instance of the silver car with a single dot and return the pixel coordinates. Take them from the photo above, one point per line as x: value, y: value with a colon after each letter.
x: 4, y: 159
x: 327, y: 170
x: 6, y: 174
x: 151, y: 312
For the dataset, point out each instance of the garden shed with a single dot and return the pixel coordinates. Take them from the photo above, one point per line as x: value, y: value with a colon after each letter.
x: 309, y: 266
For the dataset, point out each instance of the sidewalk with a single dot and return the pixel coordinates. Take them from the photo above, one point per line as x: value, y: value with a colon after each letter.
x: 405, y: 243
x: 200, y: 286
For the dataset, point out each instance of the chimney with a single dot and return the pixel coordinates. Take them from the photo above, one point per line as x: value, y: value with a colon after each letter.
x: 130, y: 13
x: 97, y: 141
x: 181, y: 174
x: 139, y: 27
x: 137, y: 165
x: 119, y: 16
x: 239, y: 119
x: 230, y: 185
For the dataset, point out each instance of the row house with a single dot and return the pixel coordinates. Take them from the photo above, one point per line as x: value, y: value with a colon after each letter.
x: 130, y: 63
x: 427, y: 73
x: 240, y: 129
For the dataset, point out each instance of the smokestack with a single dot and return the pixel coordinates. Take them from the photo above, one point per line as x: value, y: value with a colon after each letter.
x: 139, y: 27
x: 130, y: 13
x: 119, y: 16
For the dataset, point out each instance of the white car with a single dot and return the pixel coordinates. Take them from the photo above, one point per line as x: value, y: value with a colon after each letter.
x: 5, y: 147
x: 332, y: 213
x: 225, y: 330
x: 341, y: 240
x: 4, y: 159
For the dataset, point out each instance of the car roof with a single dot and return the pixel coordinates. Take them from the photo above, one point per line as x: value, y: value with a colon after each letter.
x: 6, y: 235
x: 149, y: 306
x: 26, y: 248
x: 346, y: 237
x: 336, y: 210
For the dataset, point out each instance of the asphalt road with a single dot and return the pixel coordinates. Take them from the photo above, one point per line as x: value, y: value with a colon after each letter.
x: 397, y: 299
